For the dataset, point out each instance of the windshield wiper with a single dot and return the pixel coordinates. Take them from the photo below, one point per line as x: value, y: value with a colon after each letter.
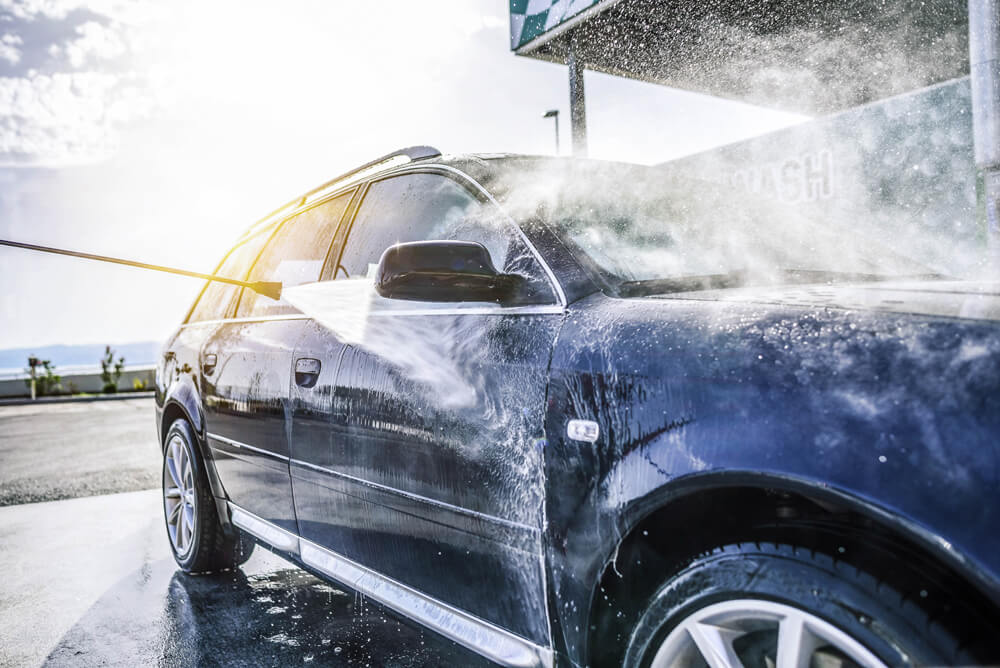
x: 741, y: 277
x: 660, y: 286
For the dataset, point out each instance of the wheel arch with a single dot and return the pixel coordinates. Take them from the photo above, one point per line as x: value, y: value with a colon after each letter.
x: 667, y: 528
x: 183, y: 404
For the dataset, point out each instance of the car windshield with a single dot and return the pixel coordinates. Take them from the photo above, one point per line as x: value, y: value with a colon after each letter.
x: 647, y: 230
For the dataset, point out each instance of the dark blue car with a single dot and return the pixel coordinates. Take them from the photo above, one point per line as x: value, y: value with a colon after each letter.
x: 580, y: 413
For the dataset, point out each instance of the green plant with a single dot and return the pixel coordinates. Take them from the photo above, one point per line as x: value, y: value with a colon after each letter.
x: 111, y: 371
x: 42, y: 378
x: 140, y: 384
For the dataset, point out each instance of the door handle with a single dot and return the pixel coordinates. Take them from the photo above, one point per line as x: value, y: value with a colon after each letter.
x: 307, y: 371
x: 208, y: 366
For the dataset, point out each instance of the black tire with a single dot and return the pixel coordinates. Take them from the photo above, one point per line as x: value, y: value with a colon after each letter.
x: 209, y: 547
x: 893, y: 628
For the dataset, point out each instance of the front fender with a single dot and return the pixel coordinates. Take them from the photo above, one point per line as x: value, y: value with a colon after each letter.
x: 894, y: 415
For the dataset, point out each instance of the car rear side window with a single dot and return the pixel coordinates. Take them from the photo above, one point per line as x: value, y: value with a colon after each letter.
x: 217, y: 298
x: 294, y: 256
x: 425, y: 207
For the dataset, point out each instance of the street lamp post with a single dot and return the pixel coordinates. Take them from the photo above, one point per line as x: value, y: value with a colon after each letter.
x: 554, y: 113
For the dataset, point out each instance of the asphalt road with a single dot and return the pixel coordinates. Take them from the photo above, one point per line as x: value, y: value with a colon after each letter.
x: 90, y: 581
x: 74, y: 449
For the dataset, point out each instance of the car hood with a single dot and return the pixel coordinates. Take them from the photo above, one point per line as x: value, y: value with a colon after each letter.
x: 972, y: 300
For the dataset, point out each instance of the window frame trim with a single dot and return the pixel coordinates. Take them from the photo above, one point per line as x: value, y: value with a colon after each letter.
x: 230, y: 310
x: 477, y: 190
x: 360, y: 189
x: 348, y: 214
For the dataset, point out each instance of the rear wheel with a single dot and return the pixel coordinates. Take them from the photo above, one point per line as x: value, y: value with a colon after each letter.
x: 198, y: 539
x: 768, y: 606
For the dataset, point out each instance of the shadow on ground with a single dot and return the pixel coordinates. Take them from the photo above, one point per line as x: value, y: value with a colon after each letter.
x: 267, y: 614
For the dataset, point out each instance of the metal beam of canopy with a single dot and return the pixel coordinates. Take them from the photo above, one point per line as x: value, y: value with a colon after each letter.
x: 811, y: 56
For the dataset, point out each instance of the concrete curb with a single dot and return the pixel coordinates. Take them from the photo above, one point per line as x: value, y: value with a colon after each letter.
x: 24, y: 401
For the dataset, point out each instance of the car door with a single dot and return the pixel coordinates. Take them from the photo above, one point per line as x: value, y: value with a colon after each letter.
x: 420, y: 455
x: 246, y: 368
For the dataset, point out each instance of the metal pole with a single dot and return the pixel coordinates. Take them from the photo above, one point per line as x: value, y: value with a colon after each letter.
x: 577, y: 103
x: 267, y: 288
x: 984, y: 71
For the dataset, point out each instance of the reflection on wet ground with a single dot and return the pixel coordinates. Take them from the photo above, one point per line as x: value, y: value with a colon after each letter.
x: 90, y: 582
x: 269, y: 613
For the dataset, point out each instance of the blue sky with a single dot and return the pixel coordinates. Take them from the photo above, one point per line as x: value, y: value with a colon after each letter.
x: 158, y: 131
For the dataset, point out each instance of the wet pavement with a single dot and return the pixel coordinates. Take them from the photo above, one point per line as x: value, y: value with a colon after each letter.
x: 90, y: 582
x: 74, y: 449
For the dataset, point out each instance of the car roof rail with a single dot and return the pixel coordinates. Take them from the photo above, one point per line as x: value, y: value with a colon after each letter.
x: 411, y: 153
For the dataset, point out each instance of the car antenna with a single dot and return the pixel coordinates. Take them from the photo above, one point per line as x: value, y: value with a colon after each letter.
x: 267, y: 288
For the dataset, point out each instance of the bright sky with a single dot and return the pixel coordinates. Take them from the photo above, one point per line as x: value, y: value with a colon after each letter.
x: 158, y: 131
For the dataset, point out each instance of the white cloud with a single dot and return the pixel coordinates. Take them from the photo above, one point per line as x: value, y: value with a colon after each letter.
x: 96, y: 41
x: 127, y: 11
x: 64, y: 118
x: 72, y: 110
x: 9, y: 48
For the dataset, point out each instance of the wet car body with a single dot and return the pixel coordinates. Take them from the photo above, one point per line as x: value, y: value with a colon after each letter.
x: 757, y: 395
x: 433, y: 471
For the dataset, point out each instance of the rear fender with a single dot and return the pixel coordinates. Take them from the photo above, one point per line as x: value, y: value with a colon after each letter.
x: 183, y: 401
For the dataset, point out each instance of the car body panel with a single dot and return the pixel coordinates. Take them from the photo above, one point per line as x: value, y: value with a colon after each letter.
x: 245, y: 397
x: 884, y: 397
x: 689, y: 394
x: 426, y: 462
x: 177, y: 381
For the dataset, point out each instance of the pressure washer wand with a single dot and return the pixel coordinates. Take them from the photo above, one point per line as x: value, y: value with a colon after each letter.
x: 267, y: 288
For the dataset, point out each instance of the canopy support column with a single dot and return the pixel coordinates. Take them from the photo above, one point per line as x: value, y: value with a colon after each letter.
x: 577, y: 103
x: 984, y: 70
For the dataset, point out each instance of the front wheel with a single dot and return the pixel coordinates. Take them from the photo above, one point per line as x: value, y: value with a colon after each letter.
x: 198, y: 540
x: 751, y: 605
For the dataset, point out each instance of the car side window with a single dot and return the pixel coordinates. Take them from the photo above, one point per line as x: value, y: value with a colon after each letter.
x: 294, y: 256
x: 217, y: 298
x: 423, y: 207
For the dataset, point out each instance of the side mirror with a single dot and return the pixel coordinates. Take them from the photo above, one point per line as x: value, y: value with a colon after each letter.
x: 443, y: 271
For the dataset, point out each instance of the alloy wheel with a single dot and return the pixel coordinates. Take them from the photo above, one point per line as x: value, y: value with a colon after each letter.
x: 746, y: 633
x: 179, y: 496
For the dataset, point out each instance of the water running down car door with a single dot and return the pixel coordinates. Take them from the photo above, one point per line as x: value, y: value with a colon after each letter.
x: 431, y: 471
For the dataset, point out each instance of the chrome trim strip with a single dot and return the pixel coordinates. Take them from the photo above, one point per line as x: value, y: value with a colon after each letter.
x: 490, y: 310
x: 550, y: 309
x: 478, y: 635
x: 244, y: 446
x: 542, y: 309
x: 417, y: 497
x: 265, y: 318
x: 267, y: 532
